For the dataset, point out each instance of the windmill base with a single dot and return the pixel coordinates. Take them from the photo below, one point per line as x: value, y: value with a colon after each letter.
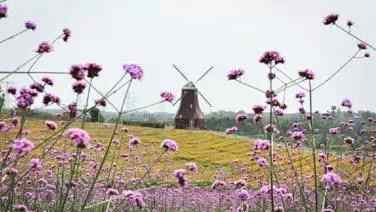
x: 189, y: 124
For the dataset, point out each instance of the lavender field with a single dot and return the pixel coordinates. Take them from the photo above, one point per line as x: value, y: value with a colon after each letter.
x: 305, y: 150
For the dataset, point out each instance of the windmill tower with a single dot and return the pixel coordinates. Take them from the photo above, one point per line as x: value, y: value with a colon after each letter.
x: 189, y: 114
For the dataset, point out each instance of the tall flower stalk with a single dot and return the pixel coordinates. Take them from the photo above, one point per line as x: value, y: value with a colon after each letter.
x: 313, y: 143
x: 270, y: 137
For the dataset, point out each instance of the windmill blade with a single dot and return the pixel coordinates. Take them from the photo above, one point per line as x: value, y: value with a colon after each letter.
x: 180, y: 72
x: 204, y: 74
x: 177, y: 101
x: 206, y: 100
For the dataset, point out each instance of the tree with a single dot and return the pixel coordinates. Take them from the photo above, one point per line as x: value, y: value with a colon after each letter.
x: 2, y: 101
x: 96, y: 115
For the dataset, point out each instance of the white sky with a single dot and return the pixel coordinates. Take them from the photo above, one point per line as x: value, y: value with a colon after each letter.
x: 196, y: 34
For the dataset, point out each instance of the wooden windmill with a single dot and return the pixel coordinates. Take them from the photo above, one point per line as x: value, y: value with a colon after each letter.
x: 189, y: 114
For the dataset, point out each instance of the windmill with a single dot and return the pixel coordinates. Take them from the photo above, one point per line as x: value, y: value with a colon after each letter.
x: 189, y: 114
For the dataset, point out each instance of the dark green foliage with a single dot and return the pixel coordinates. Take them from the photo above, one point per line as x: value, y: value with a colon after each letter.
x: 96, y: 116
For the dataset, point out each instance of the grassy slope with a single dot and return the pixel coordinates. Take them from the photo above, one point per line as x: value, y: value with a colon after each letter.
x: 211, y: 151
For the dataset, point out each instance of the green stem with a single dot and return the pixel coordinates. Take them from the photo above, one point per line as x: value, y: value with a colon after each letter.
x: 107, y: 149
x: 313, y: 142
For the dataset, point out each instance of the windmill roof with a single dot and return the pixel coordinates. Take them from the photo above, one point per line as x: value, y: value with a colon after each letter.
x: 189, y: 86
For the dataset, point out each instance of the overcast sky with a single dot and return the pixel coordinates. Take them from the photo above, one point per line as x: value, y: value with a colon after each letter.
x: 195, y: 34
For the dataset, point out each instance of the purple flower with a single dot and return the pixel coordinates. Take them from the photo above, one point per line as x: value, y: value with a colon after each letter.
x: 362, y: 46
x: 167, y: 96
x: 30, y: 25
x: 48, y: 81
x: 79, y: 86
x: 235, y: 74
x: 72, y: 110
x: 330, y: 19
x: 20, y: 208
x: 101, y: 102
x: 4, y: 127
x: 307, y: 73
x: 12, y: 90
x: 334, y: 130
x: 278, y: 112
x: 191, y: 166
x: 300, y: 95
x: 240, y: 117
x: 231, y: 130
x: 37, y: 86
x: 51, y: 125
x: 48, y: 98
x: 271, y: 56
x: 261, y: 144
x: 36, y: 164
x: 133, y: 141
x: 25, y: 98
x: 77, y: 72
x: 134, y: 198
x: 243, y: 195
x: 112, y: 192
x: 79, y: 136
x: 298, y: 136
x: 3, y: 11
x: 22, y: 146
x: 346, y: 103
x: 135, y: 71
x: 218, y: 185
x: 92, y: 69
x: 258, y: 109
x: 180, y: 176
x: 331, y: 179
x: 262, y: 162
x: 66, y: 34
x: 349, y: 140
x: 169, y: 145
x: 240, y: 183
x: 349, y: 23
x: 44, y: 47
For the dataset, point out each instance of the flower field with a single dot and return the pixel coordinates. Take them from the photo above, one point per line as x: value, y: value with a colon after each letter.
x: 75, y: 160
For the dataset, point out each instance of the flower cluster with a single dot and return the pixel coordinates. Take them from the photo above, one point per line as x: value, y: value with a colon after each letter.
x: 134, y: 198
x: 133, y: 141
x: 307, y: 74
x: 258, y: 109
x: 79, y: 136
x: 261, y: 144
x: 44, y: 47
x: 79, y: 86
x: 92, y: 69
x: 235, y: 74
x: 26, y: 98
x: 50, y: 98
x: 330, y: 19
x: 135, y: 71
x: 48, y: 81
x: 346, y: 103
x: 167, y: 96
x: 66, y: 34
x: 191, y: 166
x: 30, y: 25
x: 22, y: 146
x: 77, y: 72
x: 3, y: 11
x: 180, y: 176
x: 51, y: 125
x: 169, y: 145
x: 331, y: 179
x: 271, y: 56
x: 231, y: 130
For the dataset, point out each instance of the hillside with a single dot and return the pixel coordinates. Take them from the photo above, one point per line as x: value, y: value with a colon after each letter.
x: 215, y: 153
